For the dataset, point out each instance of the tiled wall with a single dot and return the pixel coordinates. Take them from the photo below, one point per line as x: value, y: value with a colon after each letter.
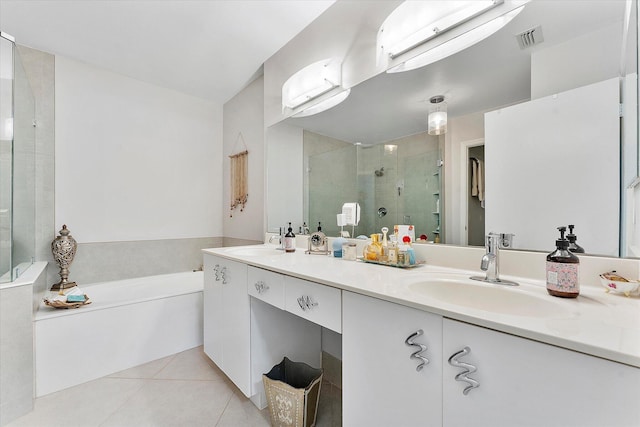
x: 404, y: 181
x: 16, y: 344
x: 99, y: 262
x: 329, y: 172
x: 16, y: 353
x: 331, y: 182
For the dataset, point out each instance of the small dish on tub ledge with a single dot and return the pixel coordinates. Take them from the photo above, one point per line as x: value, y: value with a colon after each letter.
x: 615, y: 283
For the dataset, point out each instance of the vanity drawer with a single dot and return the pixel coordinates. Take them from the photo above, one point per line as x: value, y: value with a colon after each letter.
x: 317, y: 303
x: 266, y: 286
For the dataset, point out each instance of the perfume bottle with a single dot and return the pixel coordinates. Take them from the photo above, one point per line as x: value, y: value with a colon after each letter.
x: 373, y: 251
x: 384, y: 256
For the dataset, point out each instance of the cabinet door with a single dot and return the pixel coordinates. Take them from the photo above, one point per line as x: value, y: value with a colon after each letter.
x: 235, y: 325
x: 227, y: 319
x: 381, y: 383
x: 527, y: 383
x: 213, y: 321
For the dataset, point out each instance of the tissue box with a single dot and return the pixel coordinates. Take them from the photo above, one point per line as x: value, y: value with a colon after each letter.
x: 405, y: 230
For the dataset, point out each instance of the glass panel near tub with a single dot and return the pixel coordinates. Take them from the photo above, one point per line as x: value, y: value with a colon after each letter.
x: 17, y: 165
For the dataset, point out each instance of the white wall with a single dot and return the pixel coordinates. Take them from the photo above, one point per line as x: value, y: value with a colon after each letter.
x: 460, y: 129
x: 573, y: 64
x: 553, y: 161
x: 134, y: 161
x: 244, y: 115
x: 284, y: 185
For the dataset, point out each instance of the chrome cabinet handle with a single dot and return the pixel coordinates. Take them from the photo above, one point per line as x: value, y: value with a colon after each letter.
x: 306, y: 303
x: 261, y: 287
x: 216, y: 270
x: 463, y: 376
x: 223, y: 274
x: 420, y: 348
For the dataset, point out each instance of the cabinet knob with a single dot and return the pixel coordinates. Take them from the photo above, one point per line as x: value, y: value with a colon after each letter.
x: 306, y: 303
x: 420, y: 348
x: 261, y: 287
x: 467, y: 369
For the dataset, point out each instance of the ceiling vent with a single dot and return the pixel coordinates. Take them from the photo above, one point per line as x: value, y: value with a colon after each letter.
x: 530, y: 37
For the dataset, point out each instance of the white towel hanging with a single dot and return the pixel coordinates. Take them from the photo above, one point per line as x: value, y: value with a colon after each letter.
x: 480, y: 179
x: 474, y: 177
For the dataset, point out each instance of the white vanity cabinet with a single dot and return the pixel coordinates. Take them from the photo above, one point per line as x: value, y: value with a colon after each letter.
x: 528, y: 383
x: 382, y: 384
x: 227, y: 319
x: 266, y: 286
x: 519, y: 382
x: 275, y: 331
x: 314, y: 302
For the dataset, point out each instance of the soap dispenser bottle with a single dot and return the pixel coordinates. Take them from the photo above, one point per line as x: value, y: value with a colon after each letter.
x: 573, y: 246
x: 290, y: 240
x: 563, y: 270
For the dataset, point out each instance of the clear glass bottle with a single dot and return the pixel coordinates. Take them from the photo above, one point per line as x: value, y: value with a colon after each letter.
x: 393, y: 250
x: 373, y: 251
x: 384, y: 256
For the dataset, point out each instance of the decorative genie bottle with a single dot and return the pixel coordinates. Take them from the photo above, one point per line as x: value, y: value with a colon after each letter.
x: 63, y: 248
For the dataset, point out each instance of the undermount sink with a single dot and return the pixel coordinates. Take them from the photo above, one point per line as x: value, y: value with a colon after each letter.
x: 257, y: 250
x: 501, y: 299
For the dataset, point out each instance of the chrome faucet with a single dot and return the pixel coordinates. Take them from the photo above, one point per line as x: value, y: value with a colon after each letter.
x: 280, y: 238
x: 491, y: 259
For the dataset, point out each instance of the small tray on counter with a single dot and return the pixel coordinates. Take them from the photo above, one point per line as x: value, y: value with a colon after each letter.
x: 56, y: 303
x: 388, y: 264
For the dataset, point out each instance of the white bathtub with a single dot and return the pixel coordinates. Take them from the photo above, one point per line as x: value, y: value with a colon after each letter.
x: 129, y: 322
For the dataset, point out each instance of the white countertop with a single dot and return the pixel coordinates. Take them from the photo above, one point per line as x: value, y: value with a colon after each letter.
x: 595, y: 323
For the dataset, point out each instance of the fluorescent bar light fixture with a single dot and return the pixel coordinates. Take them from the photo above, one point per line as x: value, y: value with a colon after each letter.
x: 321, y: 82
x: 324, y: 105
x: 450, y: 27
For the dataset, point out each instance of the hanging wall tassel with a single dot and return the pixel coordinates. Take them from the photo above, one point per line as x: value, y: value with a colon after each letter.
x: 239, y: 170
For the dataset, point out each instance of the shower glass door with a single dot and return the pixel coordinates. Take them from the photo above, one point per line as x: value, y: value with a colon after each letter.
x: 17, y: 165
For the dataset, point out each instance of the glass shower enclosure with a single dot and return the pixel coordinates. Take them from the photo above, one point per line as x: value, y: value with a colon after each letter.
x: 395, y: 182
x: 17, y: 164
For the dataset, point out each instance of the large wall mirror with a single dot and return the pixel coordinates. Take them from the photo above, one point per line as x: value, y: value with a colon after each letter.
x: 540, y: 117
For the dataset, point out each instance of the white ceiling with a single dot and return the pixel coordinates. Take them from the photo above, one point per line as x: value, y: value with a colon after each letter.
x: 208, y: 48
x: 490, y: 74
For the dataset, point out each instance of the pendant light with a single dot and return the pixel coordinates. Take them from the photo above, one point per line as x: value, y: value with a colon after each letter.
x: 437, y: 119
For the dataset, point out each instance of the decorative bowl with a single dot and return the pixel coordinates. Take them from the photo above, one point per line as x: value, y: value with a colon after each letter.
x: 615, y: 283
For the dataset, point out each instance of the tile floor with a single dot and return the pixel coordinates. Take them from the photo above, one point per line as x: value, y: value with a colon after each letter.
x: 185, y: 389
